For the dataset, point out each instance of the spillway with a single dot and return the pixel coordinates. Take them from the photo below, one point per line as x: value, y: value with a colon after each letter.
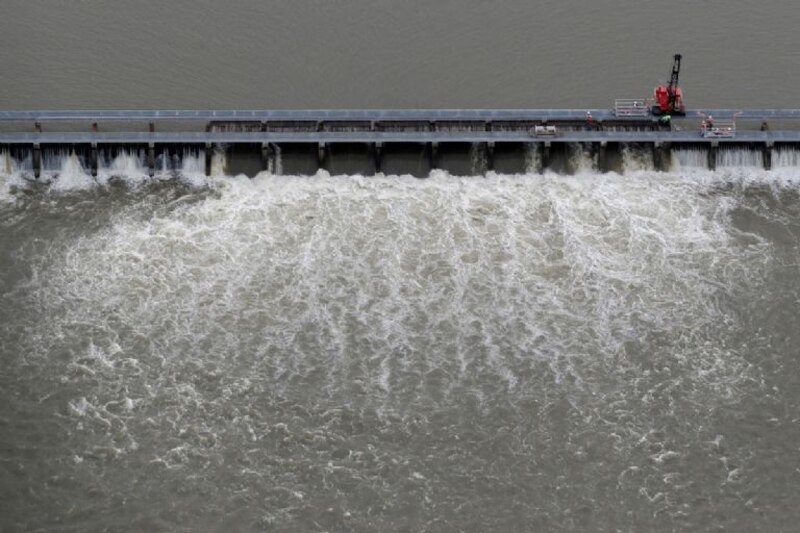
x: 388, y: 142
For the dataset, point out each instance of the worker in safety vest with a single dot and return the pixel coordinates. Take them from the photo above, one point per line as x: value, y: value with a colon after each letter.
x: 589, y: 120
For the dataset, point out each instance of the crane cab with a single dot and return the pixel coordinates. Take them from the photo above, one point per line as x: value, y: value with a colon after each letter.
x: 669, y: 97
x: 668, y: 101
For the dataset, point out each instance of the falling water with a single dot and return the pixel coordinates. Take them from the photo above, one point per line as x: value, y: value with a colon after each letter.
x: 637, y: 158
x: 740, y: 157
x: 784, y: 157
x: 689, y: 158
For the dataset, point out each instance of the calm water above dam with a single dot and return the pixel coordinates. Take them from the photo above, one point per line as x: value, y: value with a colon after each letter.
x: 255, y: 54
x: 581, y: 352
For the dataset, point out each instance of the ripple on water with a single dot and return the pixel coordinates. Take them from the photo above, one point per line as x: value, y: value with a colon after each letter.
x: 359, y: 351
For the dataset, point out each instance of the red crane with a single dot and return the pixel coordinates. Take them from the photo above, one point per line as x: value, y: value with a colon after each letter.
x: 669, y: 98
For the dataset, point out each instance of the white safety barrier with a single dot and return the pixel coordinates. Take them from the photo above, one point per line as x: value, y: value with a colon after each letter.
x: 717, y: 128
x: 544, y: 131
x: 631, y: 107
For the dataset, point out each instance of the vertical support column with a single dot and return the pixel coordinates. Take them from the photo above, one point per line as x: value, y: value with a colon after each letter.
x: 600, y: 150
x: 712, y: 155
x: 209, y: 154
x: 151, y: 159
x: 36, y: 156
x: 378, y: 154
x: 433, y: 153
x: 93, y: 153
x: 322, y: 156
x: 661, y: 156
x: 37, y: 160
x: 545, y: 159
x: 768, y: 155
x: 489, y: 155
x: 151, y: 152
x: 93, y: 159
x: 267, y: 153
x: 322, y: 162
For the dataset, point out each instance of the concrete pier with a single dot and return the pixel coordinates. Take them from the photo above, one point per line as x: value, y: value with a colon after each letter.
x: 768, y: 155
x: 378, y: 153
x: 151, y: 159
x: 37, y: 160
x: 661, y: 156
x: 713, y: 148
x: 600, y: 153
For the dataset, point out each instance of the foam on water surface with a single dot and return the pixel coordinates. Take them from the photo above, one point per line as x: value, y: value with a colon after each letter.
x: 455, y: 261
x: 286, y: 323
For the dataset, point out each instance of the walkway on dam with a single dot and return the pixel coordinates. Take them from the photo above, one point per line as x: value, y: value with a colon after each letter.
x: 688, y: 136
x: 371, y: 115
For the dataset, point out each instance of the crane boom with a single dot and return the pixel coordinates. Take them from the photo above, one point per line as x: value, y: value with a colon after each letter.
x: 673, y: 79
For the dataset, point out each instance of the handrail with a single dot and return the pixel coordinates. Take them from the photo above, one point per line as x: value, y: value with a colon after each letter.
x: 360, y: 114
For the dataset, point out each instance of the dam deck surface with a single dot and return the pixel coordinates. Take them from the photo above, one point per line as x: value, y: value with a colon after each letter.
x: 372, y: 114
x: 577, y: 136
x: 385, y: 126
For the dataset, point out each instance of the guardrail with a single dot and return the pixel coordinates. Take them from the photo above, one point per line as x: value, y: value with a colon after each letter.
x: 718, y: 129
x: 364, y: 114
x: 588, y: 136
x: 544, y: 131
x: 631, y: 107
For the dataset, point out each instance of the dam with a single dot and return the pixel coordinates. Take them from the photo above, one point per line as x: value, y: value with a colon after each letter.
x: 369, y: 142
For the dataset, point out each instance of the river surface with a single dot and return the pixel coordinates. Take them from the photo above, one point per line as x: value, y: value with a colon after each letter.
x: 265, y: 54
x: 594, y: 352
x: 509, y: 353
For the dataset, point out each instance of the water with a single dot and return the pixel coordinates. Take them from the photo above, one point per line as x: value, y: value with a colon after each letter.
x: 689, y: 158
x: 256, y: 54
x: 740, y: 158
x: 593, y: 352
x: 570, y: 351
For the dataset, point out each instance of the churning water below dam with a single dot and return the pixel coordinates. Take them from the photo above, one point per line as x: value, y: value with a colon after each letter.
x: 592, y: 352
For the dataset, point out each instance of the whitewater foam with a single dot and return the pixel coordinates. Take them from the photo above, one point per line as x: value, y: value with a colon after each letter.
x: 605, y: 248
x: 363, y: 325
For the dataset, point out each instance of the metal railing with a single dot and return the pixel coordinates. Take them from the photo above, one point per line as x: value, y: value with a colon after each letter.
x: 544, y: 131
x: 717, y: 129
x: 631, y: 107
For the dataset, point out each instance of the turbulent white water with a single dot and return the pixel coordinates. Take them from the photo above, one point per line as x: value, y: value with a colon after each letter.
x: 127, y: 165
x: 287, y: 337
x: 636, y: 158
